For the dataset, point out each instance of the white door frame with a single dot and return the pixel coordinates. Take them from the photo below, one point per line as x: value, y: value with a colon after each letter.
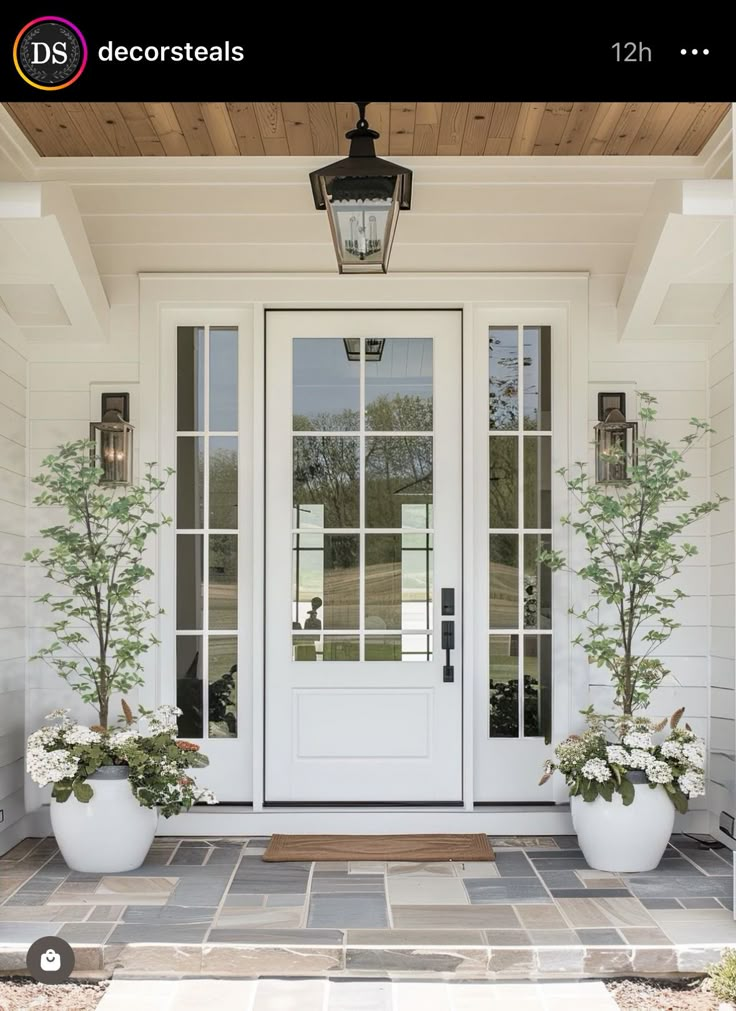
x: 165, y: 297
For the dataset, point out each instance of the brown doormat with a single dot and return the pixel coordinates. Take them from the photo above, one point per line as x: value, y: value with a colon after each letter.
x: 419, y: 848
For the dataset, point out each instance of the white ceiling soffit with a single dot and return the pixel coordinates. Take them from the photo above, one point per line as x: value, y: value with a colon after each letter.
x: 682, y: 262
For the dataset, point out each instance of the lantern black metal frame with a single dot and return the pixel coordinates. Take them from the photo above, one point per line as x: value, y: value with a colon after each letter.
x: 362, y: 177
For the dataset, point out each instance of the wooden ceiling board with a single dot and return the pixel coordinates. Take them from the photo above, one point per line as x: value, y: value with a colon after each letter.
x: 471, y: 129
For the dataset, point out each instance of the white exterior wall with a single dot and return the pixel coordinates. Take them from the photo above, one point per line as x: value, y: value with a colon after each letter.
x: 721, y: 769
x: 499, y: 217
x: 13, y: 464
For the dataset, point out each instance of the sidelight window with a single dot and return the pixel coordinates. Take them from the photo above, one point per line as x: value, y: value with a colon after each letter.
x: 520, y: 522
x: 207, y: 531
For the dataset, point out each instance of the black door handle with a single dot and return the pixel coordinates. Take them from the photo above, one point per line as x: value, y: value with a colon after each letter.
x: 448, y: 644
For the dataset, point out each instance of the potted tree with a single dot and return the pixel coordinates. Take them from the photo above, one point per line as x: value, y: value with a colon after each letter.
x: 110, y: 780
x: 625, y: 784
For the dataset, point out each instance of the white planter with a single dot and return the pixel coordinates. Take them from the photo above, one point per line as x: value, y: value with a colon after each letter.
x: 110, y: 834
x: 624, y: 839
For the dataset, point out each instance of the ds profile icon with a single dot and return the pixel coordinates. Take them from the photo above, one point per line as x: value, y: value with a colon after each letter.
x: 50, y: 53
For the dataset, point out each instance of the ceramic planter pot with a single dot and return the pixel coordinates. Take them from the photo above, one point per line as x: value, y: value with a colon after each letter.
x: 110, y: 834
x: 624, y: 839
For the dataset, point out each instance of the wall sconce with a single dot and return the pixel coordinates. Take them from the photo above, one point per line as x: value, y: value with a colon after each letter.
x: 615, y: 440
x: 113, y: 439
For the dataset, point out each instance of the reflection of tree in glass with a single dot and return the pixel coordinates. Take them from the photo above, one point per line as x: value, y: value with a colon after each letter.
x: 503, y: 384
x: 398, y: 469
x: 326, y: 474
x: 503, y: 482
x: 399, y: 413
x: 339, y: 421
x: 223, y: 488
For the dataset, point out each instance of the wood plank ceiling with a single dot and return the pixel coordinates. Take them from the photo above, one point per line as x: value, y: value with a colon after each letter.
x: 131, y: 129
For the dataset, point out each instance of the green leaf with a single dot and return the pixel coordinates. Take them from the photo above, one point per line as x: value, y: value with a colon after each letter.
x: 606, y: 790
x: 679, y: 800
x: 83, y: 791
x: 627, y: 791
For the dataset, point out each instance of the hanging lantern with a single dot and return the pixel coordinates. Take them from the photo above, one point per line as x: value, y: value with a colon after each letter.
x: 615, y: 440
x: 362, y: 195
x: 113, y: 439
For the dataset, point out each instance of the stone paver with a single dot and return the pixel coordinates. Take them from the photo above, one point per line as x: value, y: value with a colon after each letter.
x: 213, y: 905
x: 331, y: 995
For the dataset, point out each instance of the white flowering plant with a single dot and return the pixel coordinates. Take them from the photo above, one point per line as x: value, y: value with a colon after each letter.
x: 597, y: 762
x: 66, y: 754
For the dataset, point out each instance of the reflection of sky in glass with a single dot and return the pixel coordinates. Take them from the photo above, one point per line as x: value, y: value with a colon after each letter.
x: 325, y: 385
x: 223, y: 379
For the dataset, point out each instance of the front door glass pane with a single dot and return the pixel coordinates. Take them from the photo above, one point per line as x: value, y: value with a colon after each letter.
x: 362, y: 520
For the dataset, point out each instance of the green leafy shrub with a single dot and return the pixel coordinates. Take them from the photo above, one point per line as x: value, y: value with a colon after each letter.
x: 723, y: 976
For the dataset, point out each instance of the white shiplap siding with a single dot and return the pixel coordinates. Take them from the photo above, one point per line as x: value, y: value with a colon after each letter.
x: 13, y: 482
x: 721, y: 766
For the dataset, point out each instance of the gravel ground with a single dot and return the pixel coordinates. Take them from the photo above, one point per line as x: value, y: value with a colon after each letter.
x: 27, y: 995
x: 662, y: 995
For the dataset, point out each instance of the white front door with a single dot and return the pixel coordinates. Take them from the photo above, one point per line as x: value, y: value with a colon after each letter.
x: 363, y: 556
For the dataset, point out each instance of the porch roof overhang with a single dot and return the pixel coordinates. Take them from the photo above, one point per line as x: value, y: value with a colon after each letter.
x: 681, y: 266
x: 50, y: 286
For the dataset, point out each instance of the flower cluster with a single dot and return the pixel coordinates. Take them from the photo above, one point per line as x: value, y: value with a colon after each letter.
x: 594, y: 766
x: 65, y: 754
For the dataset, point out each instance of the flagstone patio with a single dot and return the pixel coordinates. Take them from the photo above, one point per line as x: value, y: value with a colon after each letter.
x: 213, y: 907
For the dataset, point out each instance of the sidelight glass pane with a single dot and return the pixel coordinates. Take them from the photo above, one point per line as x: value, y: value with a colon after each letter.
x: 398, y: 481
x: 190, y: 482
x: 189, y: 685
x: 537, y: 663
x: 537, y: 379
x: 326, y: 481
x: 537, y: 583
x: 398, y: 386
x: 503, y: 481
x: 537, y: 481
x: 503, y: 377
x: 337, y: 648
x: 189, y: 581
x: 398, y: 581
x: 504, y: 580
x: 326, y: 395
x: 223, y: 482
x: 190, y: 378
x: 223, y: 581
x: 223, y: 379
x: 325, y: 581
x: 222, y: 677
x: 503, y: 673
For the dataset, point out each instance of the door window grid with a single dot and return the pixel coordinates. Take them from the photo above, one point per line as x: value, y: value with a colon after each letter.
x: 206, y: 694
x: 361, y: 642
x: 520, y: 678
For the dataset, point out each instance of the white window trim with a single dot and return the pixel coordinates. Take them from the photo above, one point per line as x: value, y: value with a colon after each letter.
x: 240, y: 299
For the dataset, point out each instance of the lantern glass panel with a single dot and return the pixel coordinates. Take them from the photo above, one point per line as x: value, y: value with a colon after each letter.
x: 615, y: 451
x: 114, y: 451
